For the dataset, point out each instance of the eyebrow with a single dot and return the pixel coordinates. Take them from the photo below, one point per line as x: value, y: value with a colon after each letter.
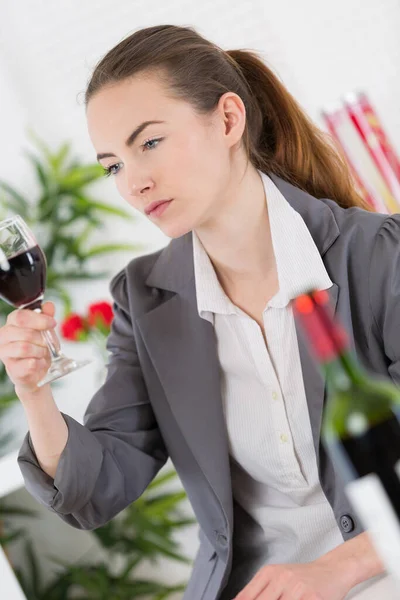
x: 131, y: 138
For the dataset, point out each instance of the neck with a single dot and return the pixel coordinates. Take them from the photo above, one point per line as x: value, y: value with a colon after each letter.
x: 237, y: 238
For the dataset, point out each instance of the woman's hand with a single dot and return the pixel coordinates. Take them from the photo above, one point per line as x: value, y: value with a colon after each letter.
x: 317, y: 580
x: 23, y: 350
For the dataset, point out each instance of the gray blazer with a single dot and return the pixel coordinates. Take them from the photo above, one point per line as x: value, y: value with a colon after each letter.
x: 162, y: 394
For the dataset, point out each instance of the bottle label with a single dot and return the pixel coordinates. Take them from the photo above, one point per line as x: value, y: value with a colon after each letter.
x: 371, y: 503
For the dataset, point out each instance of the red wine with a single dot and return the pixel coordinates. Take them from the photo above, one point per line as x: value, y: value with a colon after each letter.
x: 25, y: 280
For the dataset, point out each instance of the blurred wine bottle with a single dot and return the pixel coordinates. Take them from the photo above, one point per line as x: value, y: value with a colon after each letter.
x: 360, y: 428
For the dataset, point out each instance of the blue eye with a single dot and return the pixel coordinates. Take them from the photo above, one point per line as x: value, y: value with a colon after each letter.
x: 112, y: 169
x: 147, y: 145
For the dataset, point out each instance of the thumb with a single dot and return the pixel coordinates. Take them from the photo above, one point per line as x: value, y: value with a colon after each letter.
x: 49, y: 308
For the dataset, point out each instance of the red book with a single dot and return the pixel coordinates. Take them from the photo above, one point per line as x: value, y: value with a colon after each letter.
x: 375, y: 140
x: 366, y: 176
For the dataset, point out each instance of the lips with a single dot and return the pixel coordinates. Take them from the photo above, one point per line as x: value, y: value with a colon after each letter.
x: 154, y: 205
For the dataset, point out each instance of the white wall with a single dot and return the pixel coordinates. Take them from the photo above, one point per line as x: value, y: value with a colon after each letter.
x: 47, y: 49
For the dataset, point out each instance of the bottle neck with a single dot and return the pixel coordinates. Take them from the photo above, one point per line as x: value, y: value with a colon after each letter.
x: 329, y: 340
x: 343, y: 371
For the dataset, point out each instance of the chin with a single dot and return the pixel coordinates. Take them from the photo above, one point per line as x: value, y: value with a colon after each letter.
x: 176, y: 230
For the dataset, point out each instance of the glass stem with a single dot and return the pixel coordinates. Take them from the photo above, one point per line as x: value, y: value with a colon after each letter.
x: 52, y: 342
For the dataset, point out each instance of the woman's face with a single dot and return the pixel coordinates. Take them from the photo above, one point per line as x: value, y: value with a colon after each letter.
x: 186, y: 158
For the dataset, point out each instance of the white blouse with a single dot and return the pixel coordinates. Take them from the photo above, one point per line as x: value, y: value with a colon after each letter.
x: 274, y: 467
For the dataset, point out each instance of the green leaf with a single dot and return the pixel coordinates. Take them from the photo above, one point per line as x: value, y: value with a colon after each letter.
x: 161, y: 479
x: 58, y: 159
x: 83, y: 236
x: 80, y: 176
x: 35, y: 576
x: 170, y: 590
x: 11, y: 537
x: 41, y: 174
x: 132, y: 564
x: 58, y: 589
x: 157, y: 548
x: 39, y: 143
x: 25, y: 584
x: 108, y: 209
x: 133, y: 534
x: 165, y: 502
x: 182, y: 523
x: 7, y: 398
x: 7, y: 511
x: 17, y: 203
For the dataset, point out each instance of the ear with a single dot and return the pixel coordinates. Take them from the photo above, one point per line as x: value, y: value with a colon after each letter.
x: 232, y: 117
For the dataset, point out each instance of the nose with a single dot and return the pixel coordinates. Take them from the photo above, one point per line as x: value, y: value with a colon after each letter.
x: 139, y: 186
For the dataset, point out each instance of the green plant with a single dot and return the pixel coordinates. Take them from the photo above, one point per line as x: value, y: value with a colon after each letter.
x: 8, y: 534
x: 143, y: 531
x: 5, y: 436
x: 63, y: 216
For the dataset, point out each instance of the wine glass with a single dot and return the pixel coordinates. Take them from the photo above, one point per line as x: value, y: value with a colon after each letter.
x: 23, y: 268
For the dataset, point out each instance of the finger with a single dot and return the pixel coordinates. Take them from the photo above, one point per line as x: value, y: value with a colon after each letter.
x: 30, y: 319
x: 11, y: 333
x: 23, y: 350
x: 256, y: 586
x: 279, y: 588
x: 48, y: 308
x: 269, y: 593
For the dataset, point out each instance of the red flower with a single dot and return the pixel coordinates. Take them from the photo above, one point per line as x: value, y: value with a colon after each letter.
x: 100, y: 313
x: 73, y: 328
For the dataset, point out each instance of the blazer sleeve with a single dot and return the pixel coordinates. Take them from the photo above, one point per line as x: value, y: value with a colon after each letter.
x: 384, y: 292
x: 109, y: 461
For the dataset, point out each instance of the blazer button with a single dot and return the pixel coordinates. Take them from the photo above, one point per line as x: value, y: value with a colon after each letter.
x: 221, y: 539
x: 347, y: 523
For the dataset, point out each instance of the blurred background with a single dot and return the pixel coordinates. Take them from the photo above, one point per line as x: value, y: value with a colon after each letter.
x: 323, y: 52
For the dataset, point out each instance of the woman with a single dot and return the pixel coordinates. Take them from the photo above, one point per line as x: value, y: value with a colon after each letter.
x: 206, y: 365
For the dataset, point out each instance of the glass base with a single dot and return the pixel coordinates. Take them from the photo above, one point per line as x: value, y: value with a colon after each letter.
x: 60, y: 367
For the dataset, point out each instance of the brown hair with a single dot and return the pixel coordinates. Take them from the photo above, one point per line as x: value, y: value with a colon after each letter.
x: 279, y: 137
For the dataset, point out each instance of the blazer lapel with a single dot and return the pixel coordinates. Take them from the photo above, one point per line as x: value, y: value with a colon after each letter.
x: 314, y: 380
x: 182, y: 347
